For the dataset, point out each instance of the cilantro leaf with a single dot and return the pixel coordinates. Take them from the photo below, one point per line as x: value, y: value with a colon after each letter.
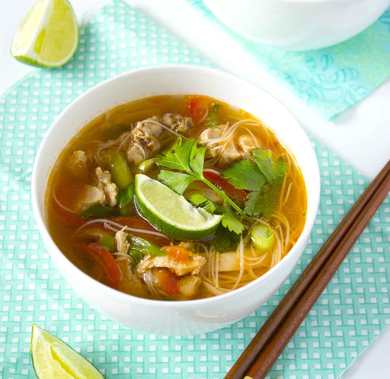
x: 232, y: 223
x: 202, y: 201
x: 245, y: 175
x: 225, y: 240
x: 281, y: 169
x: 273, y: 170
x: 262, y: 203
x: 178, y: 157
x: 197, y: 159
x: 177, y: 181
x: 263, y: 160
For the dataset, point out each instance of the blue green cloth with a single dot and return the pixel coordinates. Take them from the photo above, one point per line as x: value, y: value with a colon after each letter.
x: 353, y: 310
x: 331, y: 79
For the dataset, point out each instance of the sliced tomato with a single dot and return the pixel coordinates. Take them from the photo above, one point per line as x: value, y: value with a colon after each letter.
x: 197, y: 108
x: 138, y: 222
x: 223, y: 184
x: 178, y: 253
x: 168, y: 281
x: 105, y: 259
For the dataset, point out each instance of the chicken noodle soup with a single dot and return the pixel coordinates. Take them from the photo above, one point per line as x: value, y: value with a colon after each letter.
x: 175, y: 198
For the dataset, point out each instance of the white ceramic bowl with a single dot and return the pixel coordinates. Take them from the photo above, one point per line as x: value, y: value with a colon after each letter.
x: 298, y: 24
x: 180, y: 317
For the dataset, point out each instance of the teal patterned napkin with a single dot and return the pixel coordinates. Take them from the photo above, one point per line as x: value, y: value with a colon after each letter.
x: 331, y: 79
x: 349, y: 315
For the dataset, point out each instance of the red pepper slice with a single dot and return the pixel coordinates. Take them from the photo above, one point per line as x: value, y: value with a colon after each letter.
x: 138, y: 222
x: 223, y: 184
x: 104, y: 258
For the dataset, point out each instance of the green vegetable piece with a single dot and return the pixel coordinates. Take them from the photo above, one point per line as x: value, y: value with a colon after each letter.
x: 107, y: 241
x: 140, y: 247
x: 245, y: 175
x: 125, y: 200
x: 146, y: 165
x: 262, y: 237
x: 202, y: 201
x: 225, y: 240
x: 231, y: 222
x: 120, y: 170
x: 97, y: 234
x: 212, y: 119
x: 175, y: 180
x: 97, y: 211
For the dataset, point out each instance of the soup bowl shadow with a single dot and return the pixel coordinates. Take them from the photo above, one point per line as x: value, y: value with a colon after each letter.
x: 175, y: 317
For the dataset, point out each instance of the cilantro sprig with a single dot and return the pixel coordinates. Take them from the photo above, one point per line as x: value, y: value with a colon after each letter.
x: 186, y: 158
x: 262, y: 175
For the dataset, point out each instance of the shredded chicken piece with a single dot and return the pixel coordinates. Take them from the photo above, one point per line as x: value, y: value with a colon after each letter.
x: 122, y: 244
x: 209, y: 134
x: 147, y: 136
x: 78, y: 163
x: 228, y: 151
x: 89, y: 195
x: 192, y: 266
x: 177, y: 122
x: 109, y: 188
x: 188, y: 285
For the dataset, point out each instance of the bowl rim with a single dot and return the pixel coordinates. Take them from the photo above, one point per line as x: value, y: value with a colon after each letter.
x: 45, y: 235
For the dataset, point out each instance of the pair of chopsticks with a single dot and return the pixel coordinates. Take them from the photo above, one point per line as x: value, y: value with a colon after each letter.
x: 274, y: 335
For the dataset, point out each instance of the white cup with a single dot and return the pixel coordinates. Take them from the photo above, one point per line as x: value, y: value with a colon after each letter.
x: 298, y: 24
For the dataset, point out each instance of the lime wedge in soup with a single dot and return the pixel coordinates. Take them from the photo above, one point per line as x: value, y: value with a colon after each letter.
x: 48, y: 35
x: 170, y: 212
x: 52, y: 358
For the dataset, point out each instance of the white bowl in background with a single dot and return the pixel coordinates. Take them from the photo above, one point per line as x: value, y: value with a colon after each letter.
x: 298, y: 24
x: 175, y: 317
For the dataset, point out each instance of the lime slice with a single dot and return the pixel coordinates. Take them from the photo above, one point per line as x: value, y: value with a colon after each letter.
x: 171, y: 213
x: 48, y: 35
x: 52, y: 358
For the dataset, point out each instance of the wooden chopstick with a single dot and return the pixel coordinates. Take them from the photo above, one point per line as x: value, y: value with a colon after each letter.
x: 295, y: 317
x: 366, y: 206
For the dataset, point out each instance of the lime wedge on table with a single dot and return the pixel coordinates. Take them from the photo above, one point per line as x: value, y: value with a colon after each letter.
x: 48, y: 35
x: 171, y: 213
x: 52, y: 358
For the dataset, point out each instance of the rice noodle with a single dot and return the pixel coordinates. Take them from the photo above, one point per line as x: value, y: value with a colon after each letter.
x: 62, y: 206
x: 241, y: 256
x: 125, y: 139
x: 167, y: 128
x: 206, y: 113
x: 116, y: 227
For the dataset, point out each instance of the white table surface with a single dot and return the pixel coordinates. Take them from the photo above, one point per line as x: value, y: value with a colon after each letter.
x: 361, y: 135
